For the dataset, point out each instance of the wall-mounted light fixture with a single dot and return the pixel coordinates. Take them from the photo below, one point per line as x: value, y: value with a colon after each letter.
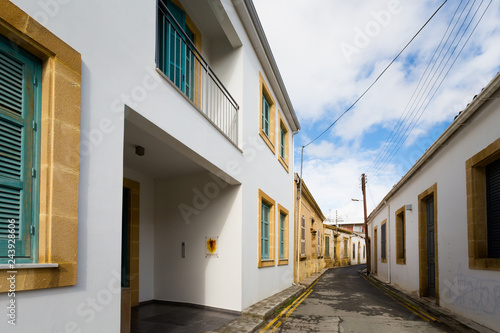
x: 408, y: 207
x: 139, y: 150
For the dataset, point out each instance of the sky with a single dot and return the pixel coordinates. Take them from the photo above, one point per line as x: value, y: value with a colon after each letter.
x: 330, y: 51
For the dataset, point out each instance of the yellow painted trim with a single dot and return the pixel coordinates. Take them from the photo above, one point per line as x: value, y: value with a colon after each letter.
x: 477, y: 225
x: 283, y: 126
x: 422, y: 241
x: 264, y: 91
x: 400, y: 236
x: 284, y: 211
x: 272, y: 227
x: 385, y: 245
x: 134, y: 226
x: 59, y: 150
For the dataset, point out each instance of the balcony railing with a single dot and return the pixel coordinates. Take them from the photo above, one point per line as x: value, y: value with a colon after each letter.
x: 182, y: 63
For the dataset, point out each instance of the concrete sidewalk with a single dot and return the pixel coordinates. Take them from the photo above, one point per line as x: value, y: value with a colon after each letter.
x: 254, y: 316
x: 453, y: 320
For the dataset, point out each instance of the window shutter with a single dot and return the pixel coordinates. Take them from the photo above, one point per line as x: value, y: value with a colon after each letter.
x: 17, y: 148
x: 493, y: 208
x: 265, y: 232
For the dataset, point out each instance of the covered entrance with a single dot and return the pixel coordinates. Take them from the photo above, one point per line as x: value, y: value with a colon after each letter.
x: 173, y: 201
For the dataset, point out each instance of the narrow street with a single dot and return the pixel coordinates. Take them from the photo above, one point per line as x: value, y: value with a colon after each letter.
x: 344, y: 301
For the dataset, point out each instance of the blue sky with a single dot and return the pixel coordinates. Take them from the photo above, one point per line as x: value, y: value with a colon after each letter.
x: 329, y: 52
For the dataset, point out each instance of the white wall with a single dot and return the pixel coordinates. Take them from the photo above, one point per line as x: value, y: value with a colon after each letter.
x: 196, y: 278
x: 355, y: 240
x: 472, y: 293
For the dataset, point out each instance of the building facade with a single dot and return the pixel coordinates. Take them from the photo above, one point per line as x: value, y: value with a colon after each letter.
x: 339, y: 246
x: 309, y: 233
x: 156, y: 159
x: 436, y: 234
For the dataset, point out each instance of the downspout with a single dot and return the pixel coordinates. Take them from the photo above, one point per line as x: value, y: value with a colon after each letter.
x: 388, y: 240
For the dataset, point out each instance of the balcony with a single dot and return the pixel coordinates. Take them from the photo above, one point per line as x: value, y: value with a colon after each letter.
x: 182, y: 63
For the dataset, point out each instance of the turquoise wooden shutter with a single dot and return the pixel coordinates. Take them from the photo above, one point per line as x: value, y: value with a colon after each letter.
x: 282, y: 236
x: 265, y: 115
x: 19, y: 99
x: 282, y: 151
x: 265, y: 232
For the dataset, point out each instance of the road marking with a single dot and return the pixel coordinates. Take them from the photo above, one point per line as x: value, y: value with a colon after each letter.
x: 288, y: 310
x: 425, y: 316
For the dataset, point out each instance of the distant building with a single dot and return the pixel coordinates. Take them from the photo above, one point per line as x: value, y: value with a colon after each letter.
x: 309, y: 234
x: 338, y: 246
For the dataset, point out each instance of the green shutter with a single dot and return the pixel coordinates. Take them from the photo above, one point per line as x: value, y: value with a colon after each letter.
x: 265, y: 232
x: 265, y: 116
x: 282, y: 236
x: 282, y: 151
x: 19, y: 152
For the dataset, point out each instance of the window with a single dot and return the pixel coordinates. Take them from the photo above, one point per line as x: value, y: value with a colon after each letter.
x: 266, y: 230
x: 175, y: 47
x: 53, y: 204
x: 283, y: 236
x: 346, y: 249
x: 327, y: 246
x: 283, y: 153
x: 401, y: 236
x: 354, y: 251
x: 383, y: 247
x: 335, y: 248
x: 267, y: 114
x: 493, y: 208
x: 19, y: 152
x: 483, y: 207
x: 303, y: 236
x: 364, y: 251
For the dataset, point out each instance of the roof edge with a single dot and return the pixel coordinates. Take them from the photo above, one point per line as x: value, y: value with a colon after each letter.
x: 252, y: 13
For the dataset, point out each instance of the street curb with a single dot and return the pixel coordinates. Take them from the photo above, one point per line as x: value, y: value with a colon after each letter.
x: 450, y: 319
x: 253, y: 317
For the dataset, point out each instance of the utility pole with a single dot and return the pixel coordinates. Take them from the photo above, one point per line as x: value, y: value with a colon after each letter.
x: 367, y: 240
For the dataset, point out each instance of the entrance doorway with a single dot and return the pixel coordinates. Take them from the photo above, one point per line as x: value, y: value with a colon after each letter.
x: 375, y: 251
x: 130, y: 252
x: 428, y: 244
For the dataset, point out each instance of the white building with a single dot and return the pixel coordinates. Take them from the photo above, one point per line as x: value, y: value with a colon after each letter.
x: 358, y: 249
x: 436, y: 234
x: 174, y: 110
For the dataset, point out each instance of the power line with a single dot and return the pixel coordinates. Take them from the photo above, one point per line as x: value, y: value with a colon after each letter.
x: 402, y: 119
x: 378, y: 77
x: 433, y: 90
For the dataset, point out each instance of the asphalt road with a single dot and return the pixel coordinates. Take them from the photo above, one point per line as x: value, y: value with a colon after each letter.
x: 343, y: 301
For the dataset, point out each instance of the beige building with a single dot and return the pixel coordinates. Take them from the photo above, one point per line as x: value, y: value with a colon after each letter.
x: 337, y: 246
x: 309, y: 233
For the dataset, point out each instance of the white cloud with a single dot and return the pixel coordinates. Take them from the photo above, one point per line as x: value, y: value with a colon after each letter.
x: 307, y: 38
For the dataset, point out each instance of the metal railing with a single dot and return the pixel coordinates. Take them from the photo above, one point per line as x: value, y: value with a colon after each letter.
x: 182, y: 63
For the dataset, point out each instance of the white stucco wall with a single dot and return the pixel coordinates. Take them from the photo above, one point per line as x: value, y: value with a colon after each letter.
x: 118, y: 62
x: 472, y: 293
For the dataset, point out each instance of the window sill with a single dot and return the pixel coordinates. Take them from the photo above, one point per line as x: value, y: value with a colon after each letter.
x: 27, y: 266
x: 266, y: 263
x: 283, y: 262
x: 267, y: 140
x: 283, y: 163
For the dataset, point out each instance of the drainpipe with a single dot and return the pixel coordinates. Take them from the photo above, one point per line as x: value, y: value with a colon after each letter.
x: 388, y: 241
